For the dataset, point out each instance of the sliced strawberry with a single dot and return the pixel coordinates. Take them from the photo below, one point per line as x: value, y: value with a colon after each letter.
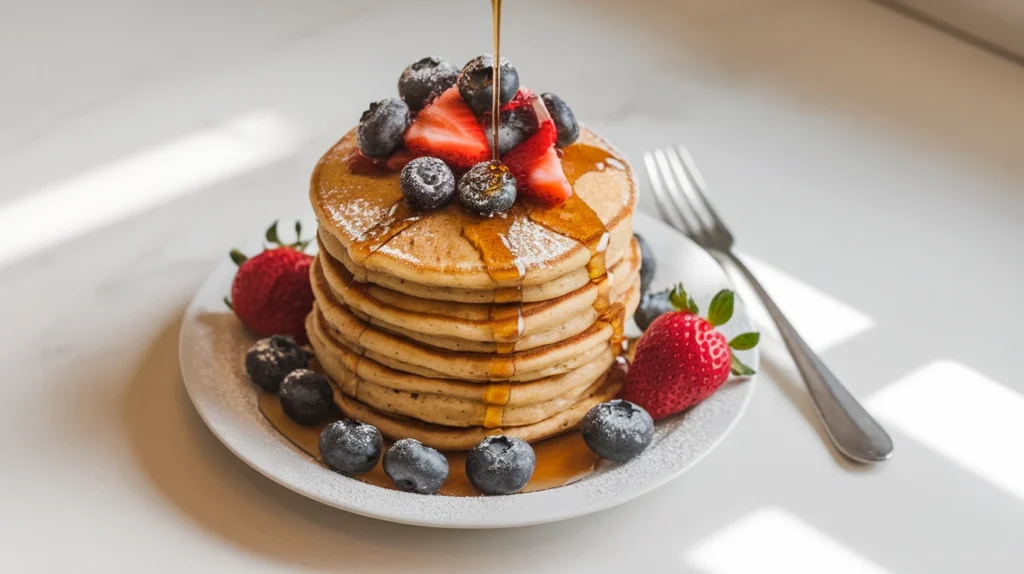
x: 524, y: 97
x: 447, y: 129
x: 537, y: 167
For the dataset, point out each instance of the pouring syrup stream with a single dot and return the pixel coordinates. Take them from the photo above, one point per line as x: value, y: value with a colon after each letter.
x: 496, y: 78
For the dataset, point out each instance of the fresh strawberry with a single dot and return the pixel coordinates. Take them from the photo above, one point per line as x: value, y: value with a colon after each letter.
x: 524, y: 97
x: 447, y: 129
x: 682, y: 359
x: 537, y: 167
x: 271, y: 293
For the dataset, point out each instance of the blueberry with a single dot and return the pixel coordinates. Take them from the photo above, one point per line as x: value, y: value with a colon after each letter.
x: 350, y: 447
x: 424, y: 80
x: 565, y: 121
x: 647, y: 264
x: 516, y: 126
x: 476, y: 79
x: 500, y: 464
x: 487, y: 188
x: 306, y: 396
x: 617, y: 430
x: 652, y: 306
x: 269, y: 360
x: 381, y: 127
x: 415, y: 467
x: 427, y: 183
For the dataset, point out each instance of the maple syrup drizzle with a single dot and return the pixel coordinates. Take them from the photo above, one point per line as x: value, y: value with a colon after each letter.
x: 400, y: 216
x: 580, y: 159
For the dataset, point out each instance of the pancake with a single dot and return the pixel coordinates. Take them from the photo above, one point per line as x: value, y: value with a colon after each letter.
x: 361, y: 206
x: 402, y: 353
x: 454, y: 411
x: 446, y: 326
x: 334, y: 355
x: 453, y: 438
x: 471, y: 326
x: 565, y: 330
x: 557, y: 287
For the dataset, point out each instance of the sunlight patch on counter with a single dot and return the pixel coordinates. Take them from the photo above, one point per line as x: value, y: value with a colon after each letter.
x: 64, y: 210
x: 772, y: 540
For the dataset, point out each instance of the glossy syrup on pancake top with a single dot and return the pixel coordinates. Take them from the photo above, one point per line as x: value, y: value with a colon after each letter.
x: 561, y: 460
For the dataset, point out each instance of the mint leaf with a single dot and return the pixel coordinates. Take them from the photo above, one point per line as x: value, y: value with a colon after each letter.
x: 238, y: 257
x: 745, y: 341
x: 272, y: 236
x: 739, y: 369
x: 720, y: 310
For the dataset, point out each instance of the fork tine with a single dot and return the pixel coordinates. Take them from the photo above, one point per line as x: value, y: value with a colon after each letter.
x: 699, y: 189
x: 677, y: 184
x: 688, y: 194
x: 661, y: 195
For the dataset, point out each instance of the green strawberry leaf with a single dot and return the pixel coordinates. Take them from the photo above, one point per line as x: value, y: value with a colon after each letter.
x: 298, y: 231
x: 272, y: 236
x: 238, y: 257
x: 678, y: 297
x: 739, y: 369
x: 720, y: 310
x: 681, y: 300
x: 228, y: 303
x: 745, y: 341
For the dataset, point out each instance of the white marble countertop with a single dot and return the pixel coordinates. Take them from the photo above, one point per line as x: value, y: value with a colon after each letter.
x: 873, y: 167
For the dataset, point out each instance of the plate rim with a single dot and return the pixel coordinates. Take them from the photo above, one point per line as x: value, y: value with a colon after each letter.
x: 584, y: 503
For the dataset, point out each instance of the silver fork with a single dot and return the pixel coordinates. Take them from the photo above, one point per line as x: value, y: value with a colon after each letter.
x: 682, y: 197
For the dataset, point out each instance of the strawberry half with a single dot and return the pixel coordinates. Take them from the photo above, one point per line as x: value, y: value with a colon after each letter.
x: 447, y: 129
x: 682, y: 359
x: 537, y: 167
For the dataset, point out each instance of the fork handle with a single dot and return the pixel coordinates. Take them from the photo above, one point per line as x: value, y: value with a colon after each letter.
x: 853, y: 431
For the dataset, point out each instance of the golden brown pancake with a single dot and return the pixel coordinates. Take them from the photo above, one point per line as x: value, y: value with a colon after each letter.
x: 469, y: 326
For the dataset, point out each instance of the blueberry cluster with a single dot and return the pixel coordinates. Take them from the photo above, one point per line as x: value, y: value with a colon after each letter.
x: 270, y: 360
x: 429, y: 182
x: 278, y: 364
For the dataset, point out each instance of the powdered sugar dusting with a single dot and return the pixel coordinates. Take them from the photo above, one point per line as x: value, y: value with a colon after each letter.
x: 535, y: 246
x: 357, y: 215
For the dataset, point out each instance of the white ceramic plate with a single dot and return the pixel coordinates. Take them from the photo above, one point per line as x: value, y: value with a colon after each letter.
x: 213, y: 345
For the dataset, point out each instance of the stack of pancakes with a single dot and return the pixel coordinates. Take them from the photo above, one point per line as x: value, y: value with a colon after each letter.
x: 446, y: 327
